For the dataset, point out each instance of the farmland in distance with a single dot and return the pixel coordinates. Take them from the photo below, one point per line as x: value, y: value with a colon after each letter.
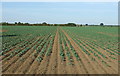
x: 59, y: 50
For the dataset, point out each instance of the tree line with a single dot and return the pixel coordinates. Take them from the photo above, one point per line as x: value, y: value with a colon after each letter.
x: 43, y: 24
x: 36, y: 24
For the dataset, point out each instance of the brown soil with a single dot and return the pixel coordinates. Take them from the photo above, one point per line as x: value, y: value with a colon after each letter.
x: 61, y: 64
x: 53, y: 64
x: 3, y: 30
x: 36, y: 67
x: 108, y: 60
x: 109, y: 34
x: 9, y: 66
x: 91, y: 65
x: 77, y: 67
x: 85, y: 60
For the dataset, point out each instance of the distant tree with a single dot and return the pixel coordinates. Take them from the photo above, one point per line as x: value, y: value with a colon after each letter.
x: 51, y: 24
x: 101, y: 24
x: 56, y: 24
x: 19, y: 23
x: 71, y: 24
x: 86, y: 24
x: 26, y: 23
x: 44, y: 23
x: 16, y: 23
x: 5, y: 23
x: 81, y: 25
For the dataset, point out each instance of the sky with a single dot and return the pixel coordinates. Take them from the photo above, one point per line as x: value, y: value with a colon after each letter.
x: 61, y: 12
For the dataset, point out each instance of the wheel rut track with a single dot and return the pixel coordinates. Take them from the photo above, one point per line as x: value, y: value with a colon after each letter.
x: 61, y: 64
x: 53, y: 64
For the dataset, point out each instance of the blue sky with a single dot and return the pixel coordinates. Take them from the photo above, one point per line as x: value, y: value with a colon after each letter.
x: 61, y: 12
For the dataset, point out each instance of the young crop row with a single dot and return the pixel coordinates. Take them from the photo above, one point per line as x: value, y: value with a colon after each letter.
x: 100, y: 35
x: 45, y: 48
x: 25, y: 40
x: 93, y: 51
x: 68, y: 48
x: 15, y: 51
x: 107, y: 50
x: 62, y: 54
x: 72, y: 49
x: 22, y: 50
x: 95, y: 45
x: 21, y: 44
x: 49, y: 50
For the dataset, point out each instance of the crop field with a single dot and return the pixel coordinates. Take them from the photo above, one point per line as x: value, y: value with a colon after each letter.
x: 59, y: 50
